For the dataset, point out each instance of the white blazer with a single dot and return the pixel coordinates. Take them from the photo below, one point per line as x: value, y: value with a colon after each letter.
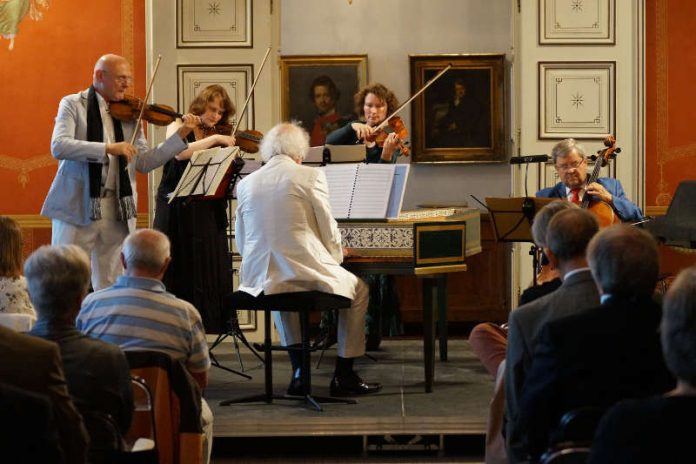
x: 286, y: 234
x: 68, y: 197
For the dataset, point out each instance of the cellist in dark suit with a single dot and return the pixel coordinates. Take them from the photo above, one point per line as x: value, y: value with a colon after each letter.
x: 570, y: 160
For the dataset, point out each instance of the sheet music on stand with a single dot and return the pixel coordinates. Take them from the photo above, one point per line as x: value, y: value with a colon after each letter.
x: 366, y: 191
x: 205, y: 172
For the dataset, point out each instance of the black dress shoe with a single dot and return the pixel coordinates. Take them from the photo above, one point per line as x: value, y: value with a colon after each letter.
x: 352, y: 385
x: 296, y: 387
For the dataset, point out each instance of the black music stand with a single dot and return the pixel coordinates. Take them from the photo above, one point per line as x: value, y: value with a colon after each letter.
x: 512, y: 221
x: 238, y: 169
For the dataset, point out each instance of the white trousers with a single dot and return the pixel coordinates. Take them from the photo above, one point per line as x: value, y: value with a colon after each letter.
x: 101, y: 240
x: 351, y: 325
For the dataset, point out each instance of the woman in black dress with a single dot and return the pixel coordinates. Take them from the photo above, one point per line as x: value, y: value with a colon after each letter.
x: 201, y: 269
x: 374, y: 103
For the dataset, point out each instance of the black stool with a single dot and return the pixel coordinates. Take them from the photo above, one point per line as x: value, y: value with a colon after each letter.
x: 302, y: 303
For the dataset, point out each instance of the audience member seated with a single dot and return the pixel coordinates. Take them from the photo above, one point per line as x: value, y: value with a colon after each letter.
x: 34, y: 365
x: 22, y: 411
x: 488, y: 340
x: 567, y: 237
x: 14, y: 298
x: 604, y: 354
x: 137, y: 313
x: 97, y: 372
x: 657, y: 429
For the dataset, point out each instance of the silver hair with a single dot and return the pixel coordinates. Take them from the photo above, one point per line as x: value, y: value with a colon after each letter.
x: 286, y: 138
x: 58, y: 278
x: 678, y: 330
x: 565, y: 147
x: 624, y: 261
x: 569, y: 232
x: 146, y: 250
x: 542, y: 218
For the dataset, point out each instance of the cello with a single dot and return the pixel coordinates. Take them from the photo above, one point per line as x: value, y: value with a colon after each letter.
x: 606, y: 215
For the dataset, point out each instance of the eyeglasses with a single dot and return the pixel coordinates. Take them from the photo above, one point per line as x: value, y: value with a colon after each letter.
x: 121, y: 79
x: 569, y: 166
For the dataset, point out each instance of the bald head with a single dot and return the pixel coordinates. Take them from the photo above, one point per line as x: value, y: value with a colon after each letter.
x: 146, y: 253
x: 112, y: 76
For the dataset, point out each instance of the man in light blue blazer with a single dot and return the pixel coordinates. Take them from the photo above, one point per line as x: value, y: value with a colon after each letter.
x: 570, y: 160
x: 92, y: 201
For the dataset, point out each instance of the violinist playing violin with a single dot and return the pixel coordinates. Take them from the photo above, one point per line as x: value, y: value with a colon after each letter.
x: 92, y: 200
x: 374, y: 103
x: 200, y: 271
x: 570, y: 160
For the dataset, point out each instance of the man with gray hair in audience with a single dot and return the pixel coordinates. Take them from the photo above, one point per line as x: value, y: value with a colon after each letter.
x: 290, y: 242
x: 653, y: 429
x: 97, y: 372
x: 137, y: 313
x: 603, y: 354
x: 567, y: 237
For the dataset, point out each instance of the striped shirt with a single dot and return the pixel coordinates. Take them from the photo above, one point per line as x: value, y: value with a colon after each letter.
x: 137, y: 313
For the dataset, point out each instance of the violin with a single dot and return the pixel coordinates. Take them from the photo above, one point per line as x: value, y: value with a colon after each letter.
x: 129, y: 110
x: 163, y: 115
x: 395, y: 125
x: 247, y: 140
x: 604, y: 212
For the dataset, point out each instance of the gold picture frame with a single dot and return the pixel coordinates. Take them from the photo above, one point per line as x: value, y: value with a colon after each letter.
x: 460, y: 118
x: 301, y: 74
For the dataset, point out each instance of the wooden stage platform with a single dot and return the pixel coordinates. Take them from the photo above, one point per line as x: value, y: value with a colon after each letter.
x: 401, y: 417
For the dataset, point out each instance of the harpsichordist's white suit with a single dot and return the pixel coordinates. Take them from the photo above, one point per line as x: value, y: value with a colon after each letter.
x: 290, y: 242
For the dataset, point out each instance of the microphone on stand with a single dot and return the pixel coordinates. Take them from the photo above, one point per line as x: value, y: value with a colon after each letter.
x: 529, y: 159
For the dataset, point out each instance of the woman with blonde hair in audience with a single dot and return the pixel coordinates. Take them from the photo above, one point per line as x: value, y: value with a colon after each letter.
x: 14, y: 297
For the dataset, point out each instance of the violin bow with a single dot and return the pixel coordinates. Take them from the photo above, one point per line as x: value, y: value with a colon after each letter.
x: 251, y: 91
x: 147, y: 97
x: 427, y: 84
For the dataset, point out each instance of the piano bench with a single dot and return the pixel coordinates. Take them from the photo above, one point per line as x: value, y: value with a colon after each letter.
x: 302, y: 303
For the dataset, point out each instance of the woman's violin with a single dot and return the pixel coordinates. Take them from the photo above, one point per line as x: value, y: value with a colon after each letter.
x: 247, y: 140
x: 163, y: 115
x: 396, y: 125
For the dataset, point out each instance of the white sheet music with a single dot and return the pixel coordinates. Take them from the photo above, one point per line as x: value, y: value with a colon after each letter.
x: 362, y: 191
x: 396, y: 197
x: 341, y: 180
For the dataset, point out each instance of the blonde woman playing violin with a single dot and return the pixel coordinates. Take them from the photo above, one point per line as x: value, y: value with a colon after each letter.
x: 200, y: 272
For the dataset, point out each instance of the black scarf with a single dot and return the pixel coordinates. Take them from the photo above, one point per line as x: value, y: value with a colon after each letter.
x: 95, y: 133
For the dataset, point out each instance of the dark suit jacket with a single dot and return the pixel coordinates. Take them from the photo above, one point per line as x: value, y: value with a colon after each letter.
x: 33, y: 364
x: 97, y: 372
x: 626, y: 209
x: 594, y: 358
x: 27, y: 429
x: 577, y: 293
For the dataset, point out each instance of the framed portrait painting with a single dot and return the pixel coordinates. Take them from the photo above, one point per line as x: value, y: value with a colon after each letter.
x: 317, y: 91
x: 460, y: 118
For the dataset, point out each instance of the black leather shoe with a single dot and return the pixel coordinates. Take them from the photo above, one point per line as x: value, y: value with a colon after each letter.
x: 352, y: 385
x: 296, y: 387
